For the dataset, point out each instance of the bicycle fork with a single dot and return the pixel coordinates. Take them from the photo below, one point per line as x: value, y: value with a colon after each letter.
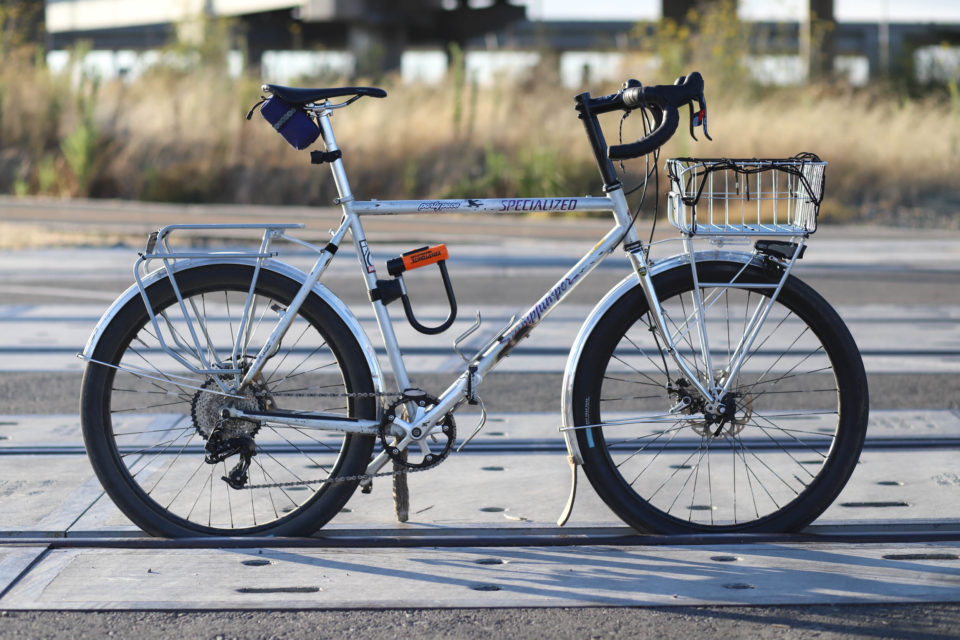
x: 711, y: 384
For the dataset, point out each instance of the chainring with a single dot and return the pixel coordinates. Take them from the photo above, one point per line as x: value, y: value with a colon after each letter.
x: 429, y: 459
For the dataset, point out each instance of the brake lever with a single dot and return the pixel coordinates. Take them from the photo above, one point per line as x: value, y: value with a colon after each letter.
x: 699, y: 118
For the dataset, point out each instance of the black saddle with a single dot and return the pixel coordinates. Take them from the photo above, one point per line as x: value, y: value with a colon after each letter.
x: 294, y: 95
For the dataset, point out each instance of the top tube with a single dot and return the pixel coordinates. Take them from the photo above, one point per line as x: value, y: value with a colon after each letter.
x: 481, y: 205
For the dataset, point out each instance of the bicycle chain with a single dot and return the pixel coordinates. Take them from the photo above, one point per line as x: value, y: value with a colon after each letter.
x: 358, y: 477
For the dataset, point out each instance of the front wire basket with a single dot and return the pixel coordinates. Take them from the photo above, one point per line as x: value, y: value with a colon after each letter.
x: 752, y: 197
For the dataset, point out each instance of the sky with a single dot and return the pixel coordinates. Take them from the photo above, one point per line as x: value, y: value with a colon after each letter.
x: 845, y: 10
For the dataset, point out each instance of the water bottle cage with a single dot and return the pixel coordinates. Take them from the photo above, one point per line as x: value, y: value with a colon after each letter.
x: 390, y: 290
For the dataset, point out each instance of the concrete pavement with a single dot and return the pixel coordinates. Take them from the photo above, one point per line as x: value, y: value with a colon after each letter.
x: 903, y: 314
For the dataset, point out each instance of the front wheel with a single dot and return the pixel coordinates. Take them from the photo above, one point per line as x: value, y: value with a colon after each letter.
x: 795, y: 420
x: 149, y: 419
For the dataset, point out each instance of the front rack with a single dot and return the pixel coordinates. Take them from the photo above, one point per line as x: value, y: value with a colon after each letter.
x: 723, y: 197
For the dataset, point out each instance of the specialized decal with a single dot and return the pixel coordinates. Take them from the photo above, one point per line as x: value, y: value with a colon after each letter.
x: 474, y: 204
x: 366, y: 257
x: 439, y: 205
x: 539, y: 204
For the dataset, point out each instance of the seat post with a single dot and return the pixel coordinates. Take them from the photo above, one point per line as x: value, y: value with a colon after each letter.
x: 330, y: 143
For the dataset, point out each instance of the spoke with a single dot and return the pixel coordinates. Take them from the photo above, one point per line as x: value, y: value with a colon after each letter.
x: 291, y: 349
x: 171, y: 463
x: 655, y: 436
x: 288, y: 470
x: 137, y: 433
x: 688, y: 338
x: 800, y: 414
x: 199, y: 495
x: 179, y: 339
x: 788, y: 433
x: 273, y: 480
x: 748, y: 473
x: 273, y: 505
x: 251, y: 328
x: 299, y: 450
x: 677, y: 470
x: 757, y: 348
x: 149, y: 406
x: 789, y: 453
x: 165, y: 443
x: 654, y: 459
x: 819, y: 434
x: 784, y: 353
x: 792, y: 391
x: 657, y: 365
x: 306, y: 432
x: 184, y: 486
x: 768, y: 468
x: 627, y: 381
x: 229, y: 499
x: 152, y: 366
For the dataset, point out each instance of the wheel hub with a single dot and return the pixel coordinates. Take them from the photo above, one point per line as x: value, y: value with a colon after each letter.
x: 729, y: 420
x: 207, y: 407
x: 737, y: 411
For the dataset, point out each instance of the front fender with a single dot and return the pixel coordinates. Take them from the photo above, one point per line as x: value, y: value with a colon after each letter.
x: 615, y: 294
x: 280, y: 268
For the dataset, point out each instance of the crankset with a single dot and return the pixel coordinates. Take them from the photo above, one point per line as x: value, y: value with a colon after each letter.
x: 433, y: 447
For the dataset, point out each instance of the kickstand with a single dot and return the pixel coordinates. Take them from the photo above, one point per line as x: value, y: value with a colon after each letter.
x: 568, y: 509
x: 401, y: 492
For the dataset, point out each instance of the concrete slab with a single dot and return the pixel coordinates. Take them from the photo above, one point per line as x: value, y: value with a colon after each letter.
x: 48, y: 337
x: 503, y: 429
x: 14, y: 561
x: 481, y: 490
x: 44, y: 495
x: 498, y: 577
x: 56, y: 495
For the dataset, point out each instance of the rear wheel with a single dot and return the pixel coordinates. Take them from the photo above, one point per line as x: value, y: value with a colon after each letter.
x: 795, y: 416
x: 148, y: 420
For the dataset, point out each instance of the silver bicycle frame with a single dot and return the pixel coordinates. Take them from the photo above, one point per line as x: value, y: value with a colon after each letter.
x: 197, y: 344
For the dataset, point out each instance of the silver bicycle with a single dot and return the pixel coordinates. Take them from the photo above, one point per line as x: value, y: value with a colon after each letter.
x: 229, y: 393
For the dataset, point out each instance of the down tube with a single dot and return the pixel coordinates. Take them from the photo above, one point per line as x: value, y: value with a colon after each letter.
x: 519, y: 329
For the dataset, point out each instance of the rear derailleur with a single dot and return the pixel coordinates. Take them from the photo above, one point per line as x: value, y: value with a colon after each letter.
x: 219, y: 448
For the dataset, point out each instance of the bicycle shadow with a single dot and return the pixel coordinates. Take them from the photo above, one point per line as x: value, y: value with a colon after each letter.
x: 632, y: 576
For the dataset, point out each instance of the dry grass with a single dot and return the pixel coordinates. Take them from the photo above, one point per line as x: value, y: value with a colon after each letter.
x: 180, y: 136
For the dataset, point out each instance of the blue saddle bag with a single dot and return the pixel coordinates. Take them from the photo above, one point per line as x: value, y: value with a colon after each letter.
x: 293, y: 123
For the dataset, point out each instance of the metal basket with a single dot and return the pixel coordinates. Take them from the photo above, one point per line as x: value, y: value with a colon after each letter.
x: 723, y: 197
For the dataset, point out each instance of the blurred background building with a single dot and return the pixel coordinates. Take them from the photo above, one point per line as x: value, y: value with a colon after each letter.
x: 286, y: 39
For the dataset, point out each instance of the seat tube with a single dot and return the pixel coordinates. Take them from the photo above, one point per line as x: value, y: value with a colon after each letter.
x: 384, y: 322
x: 345, y: 200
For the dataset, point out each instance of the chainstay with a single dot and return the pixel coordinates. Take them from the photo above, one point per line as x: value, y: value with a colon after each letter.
x: 341, y: 479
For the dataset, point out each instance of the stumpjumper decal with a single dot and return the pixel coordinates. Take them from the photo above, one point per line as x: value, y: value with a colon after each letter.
x: 538, y: 311
x: 539, y: 204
